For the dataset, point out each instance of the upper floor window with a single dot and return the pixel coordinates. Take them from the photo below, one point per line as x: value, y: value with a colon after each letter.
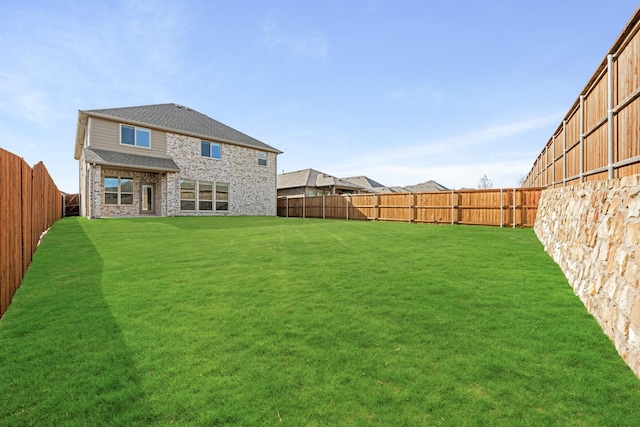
x: 132, y: 135
x: 262, y: 158
x: 210, y: 149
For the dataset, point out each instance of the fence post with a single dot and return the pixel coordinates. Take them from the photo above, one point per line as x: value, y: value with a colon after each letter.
x: 501, y: 203
x: 323, y: 206
x: 410, y: 207
x: 286, y: 205
x: 452, y: 204
x: 376, y: 202
x: 514, y: 208
x: 610, y: 115
x: 564, y: 153
x: 304, y: 205
x: 347, y: 209
x: 553, y: 160
x: 581, y: 153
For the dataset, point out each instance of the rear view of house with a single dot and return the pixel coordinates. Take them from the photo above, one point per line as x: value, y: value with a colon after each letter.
x: 168, y: 160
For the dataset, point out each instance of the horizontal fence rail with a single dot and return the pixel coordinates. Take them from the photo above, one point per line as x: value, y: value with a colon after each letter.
x: 507, y: 207
x: 599, y: 138
x: 29, y: 203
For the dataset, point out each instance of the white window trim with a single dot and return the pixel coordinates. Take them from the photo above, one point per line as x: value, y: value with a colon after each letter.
x: 197, y: 196
x: 211, y: 143
x: 119, y: 178
x: 266, y: 158
x: 135, y: 130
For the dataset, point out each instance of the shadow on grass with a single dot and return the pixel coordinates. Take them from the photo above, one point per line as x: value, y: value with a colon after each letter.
x: 218, y: 222
x: 63, y: 359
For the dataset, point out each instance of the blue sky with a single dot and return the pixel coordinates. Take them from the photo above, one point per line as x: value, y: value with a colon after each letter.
x: 400, y: 91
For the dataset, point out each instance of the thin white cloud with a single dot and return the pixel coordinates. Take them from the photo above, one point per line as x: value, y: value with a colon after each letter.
x: 131, y: 48
x: 458, y: 161
x: 421, y: 95
x: 312, y: 45
x: 373, y: 6
x: 24, y: 99
x: 455, y: 144
x: 503, y: 173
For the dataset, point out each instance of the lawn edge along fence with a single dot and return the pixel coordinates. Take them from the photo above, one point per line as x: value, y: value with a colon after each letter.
x: 30, y: 203
x: 504, y: 207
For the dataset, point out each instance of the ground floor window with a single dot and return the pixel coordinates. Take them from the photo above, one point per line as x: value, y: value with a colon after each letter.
x: 204, y: 196
x: 222, y: 196
x: 187, y: 195
x: 118, y: 190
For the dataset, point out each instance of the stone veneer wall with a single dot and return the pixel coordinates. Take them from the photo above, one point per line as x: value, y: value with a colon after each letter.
x: 252, y: 187
x: 103, y: 210
x: 592, y: 231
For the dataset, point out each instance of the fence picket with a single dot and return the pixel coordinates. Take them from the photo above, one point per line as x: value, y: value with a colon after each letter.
x: 472, y: 207
x: 30, y: 203
x: 598, y: 138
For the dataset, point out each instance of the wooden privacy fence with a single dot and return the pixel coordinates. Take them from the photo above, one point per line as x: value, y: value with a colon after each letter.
x: 514, y: 207
x: 71, y: 204
x: 29, y: 203
x: 599, y: 137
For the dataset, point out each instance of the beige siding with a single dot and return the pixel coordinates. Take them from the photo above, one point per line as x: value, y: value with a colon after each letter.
x: 105, y: 135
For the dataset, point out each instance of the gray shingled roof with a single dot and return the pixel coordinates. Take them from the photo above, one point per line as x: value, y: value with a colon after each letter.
x: 113, y: 158
x: 426, y: 187
x: 312, y: 178
x: 180, y: 119
x: 370, y: 184
x: 364, y: 181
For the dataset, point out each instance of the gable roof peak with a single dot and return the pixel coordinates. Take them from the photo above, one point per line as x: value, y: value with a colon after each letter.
x: 172, y: 117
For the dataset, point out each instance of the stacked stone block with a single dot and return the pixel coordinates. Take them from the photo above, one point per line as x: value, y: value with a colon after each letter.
x: 592, y: 231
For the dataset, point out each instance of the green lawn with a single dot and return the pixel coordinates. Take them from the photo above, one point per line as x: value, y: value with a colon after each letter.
x: 275, y: 321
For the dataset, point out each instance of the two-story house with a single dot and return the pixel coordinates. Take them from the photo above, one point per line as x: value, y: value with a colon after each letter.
x: 168, y: 160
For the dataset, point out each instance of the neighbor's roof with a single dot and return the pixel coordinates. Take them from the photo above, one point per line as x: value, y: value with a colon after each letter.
x: 370, y: 184
x: 399, y: 189
x: 426, y: 187
x: 312, y: 178
x: 172, y: 118
x: 364, y: 181
x: 123, y: 160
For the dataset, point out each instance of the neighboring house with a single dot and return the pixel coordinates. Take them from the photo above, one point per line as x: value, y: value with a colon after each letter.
x: 168, y: 160
x: 371, y: 185
x: 310, y: 182
x: 426, y: 187
x: 399, y: 189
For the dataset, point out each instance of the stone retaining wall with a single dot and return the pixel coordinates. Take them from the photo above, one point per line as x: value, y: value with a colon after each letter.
x: 592, y: 231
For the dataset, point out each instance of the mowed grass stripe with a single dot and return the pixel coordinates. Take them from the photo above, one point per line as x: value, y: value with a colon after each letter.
x: 274, y: 321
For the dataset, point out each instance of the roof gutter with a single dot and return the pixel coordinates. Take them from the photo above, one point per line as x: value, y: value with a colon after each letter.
x: 133, y: 168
